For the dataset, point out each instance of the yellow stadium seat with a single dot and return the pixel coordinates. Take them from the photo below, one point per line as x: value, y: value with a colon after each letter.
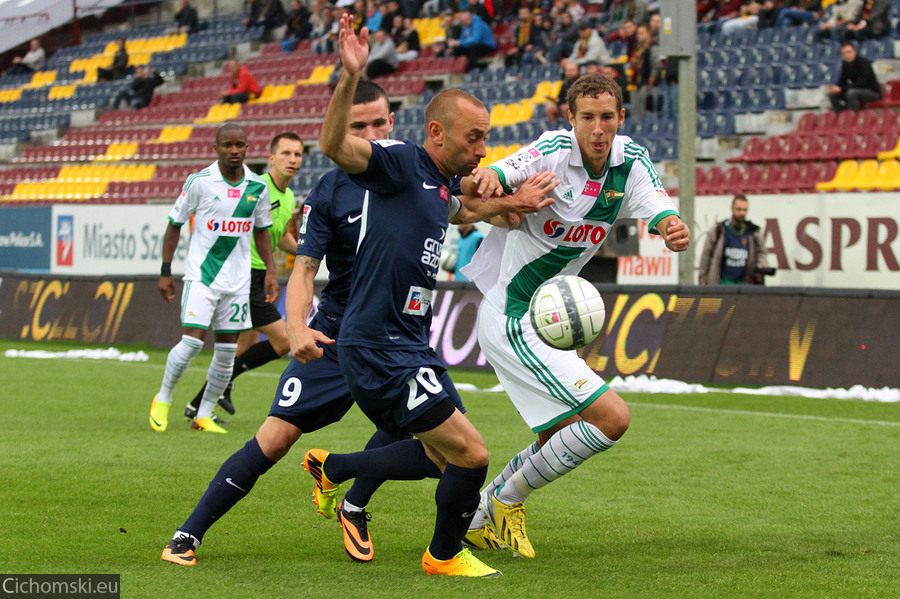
x: 888, y: 178
x: 498, y: 115
x: 867, y: 175
x: 888, y: 155
x: 844, y: 177
x: 10, y: 95
x: 61, y: 91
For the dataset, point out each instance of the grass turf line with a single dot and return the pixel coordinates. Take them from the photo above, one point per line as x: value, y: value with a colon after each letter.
x: 711, y: 502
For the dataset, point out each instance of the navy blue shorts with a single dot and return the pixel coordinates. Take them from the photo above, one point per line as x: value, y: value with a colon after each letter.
x: 313, y: 395
x: 394, y: 388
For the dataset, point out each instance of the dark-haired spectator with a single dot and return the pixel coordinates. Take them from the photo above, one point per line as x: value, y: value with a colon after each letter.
x: 590, y: 46
x: 242, y: 86
x: 358, y: 10
x: 270, y: 14
x: 769, y: 10
x: 856, y: 84
x: 644, y: 64
x: 409, y: 46
x: 625, y: 34
x: 799, y: 12
x: 485, y: 10
x: 723, y: 10
x: 32, y: 62
x: 558, y: 108
x: 119, y: 67
x: 476, y: 39
x: 299, y: 26
x: 528, y: 40
x: 563, y: 37
x: 325, y: 30
x: 668, y: 87
x: 734, y: 251
x: 874, y: 23
x: 186, y: 18
x: 140, y: 93
x: 382, y: 55
x: 621, y: 11
x: 840, y: 14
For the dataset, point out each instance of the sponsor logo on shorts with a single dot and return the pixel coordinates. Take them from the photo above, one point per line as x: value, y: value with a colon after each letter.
x: 580, y: 383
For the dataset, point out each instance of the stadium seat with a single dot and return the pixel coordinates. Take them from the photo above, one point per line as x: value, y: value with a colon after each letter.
x: 888, y: 178
x: 844, y: 179
x: 866, y: 176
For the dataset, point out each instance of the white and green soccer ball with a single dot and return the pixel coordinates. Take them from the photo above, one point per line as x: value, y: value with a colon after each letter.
x: 567, y: 312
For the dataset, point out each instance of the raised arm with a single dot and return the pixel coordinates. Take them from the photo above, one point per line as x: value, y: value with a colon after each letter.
x: 348, y: 152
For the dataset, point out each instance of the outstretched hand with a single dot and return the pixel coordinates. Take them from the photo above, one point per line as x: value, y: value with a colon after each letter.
x: 534, y: 193
x: 354, y: 50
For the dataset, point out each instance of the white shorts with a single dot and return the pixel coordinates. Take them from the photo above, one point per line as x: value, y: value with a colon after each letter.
x: 545, y: 384
x: 203, y: 308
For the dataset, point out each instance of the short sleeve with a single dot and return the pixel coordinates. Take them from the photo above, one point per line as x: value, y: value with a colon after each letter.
x: 186, y: 204
x: 646, y: 198
x: 314, y: 233
x: 389, y: 167
x: 262, y: 213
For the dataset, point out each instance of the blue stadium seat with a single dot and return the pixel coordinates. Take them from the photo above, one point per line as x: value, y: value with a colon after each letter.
x: 724, y: 123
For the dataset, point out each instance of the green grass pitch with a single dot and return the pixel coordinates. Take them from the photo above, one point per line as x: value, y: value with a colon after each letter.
x: 708, y: 495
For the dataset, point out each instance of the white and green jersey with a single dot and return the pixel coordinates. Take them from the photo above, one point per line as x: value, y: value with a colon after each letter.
x: 561, y: 238
x: 225, y: 215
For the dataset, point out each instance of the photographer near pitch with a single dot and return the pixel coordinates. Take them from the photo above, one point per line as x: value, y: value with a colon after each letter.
x: 733, y: 253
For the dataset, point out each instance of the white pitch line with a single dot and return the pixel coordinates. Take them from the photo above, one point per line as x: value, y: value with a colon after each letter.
x: 768, y: 414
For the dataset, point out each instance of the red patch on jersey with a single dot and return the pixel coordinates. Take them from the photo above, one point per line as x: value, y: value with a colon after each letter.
x: 445, y: 193
x: 592, y: 189
x: 234, y: 193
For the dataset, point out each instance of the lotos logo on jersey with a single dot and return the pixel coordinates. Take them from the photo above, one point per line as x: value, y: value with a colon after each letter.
x: 553, y: 228
x: 418, y: 301
x: 229, y: 226
x: 575, y: 233
x: 65, y: 240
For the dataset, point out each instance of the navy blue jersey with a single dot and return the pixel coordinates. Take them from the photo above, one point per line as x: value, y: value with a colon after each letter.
x: 331, y: 223
x: 404, y: 225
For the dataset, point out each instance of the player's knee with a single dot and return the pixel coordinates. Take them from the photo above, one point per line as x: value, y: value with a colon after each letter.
x: 617, y: 421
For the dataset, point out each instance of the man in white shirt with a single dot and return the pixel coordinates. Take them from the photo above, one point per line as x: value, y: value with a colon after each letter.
x: 604, y: 177
x: 229, y: 204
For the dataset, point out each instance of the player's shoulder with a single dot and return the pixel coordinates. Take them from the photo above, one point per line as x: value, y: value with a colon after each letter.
x: 557, y: 141
x: 198, y: 178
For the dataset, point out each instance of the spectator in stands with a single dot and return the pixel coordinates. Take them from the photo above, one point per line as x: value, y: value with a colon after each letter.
x: 476, y: 40
x: 748, y: 18
x: 668, y: 88
x: 528, y: 40
x: 392, y: 9
x: 186, y: 18
x: 358, y: 10
x: 558, y: 108
x: 243, y: 84
x: 622, y: 11
x: 626, y: 34
x: 644, y: 64
x: 32, y: 62
x: 119, y: 67
x: 299, y: 26
x: 856, y: 83
x: 769, y: 11
x: 269, y: 14
x: 409, y: 46
x: 799, y: 12
x: 840, y: 14
x: 383, y: 58
x: 875, y: 22
x: 563, y: 37
x: 734, y: 251
x: 723, y: 10
x: 325, y: 31
x: 140, y: 93
x: 590, y: 46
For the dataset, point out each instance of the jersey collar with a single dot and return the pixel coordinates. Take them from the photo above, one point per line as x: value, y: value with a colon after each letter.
x: 616, y: 155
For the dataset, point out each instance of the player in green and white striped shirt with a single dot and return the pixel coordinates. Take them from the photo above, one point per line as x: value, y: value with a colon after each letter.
x: 229, y: 205
x: 603, y: 177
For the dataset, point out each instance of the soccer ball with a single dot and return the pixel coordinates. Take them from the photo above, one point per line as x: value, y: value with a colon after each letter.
x: 567, y: 312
